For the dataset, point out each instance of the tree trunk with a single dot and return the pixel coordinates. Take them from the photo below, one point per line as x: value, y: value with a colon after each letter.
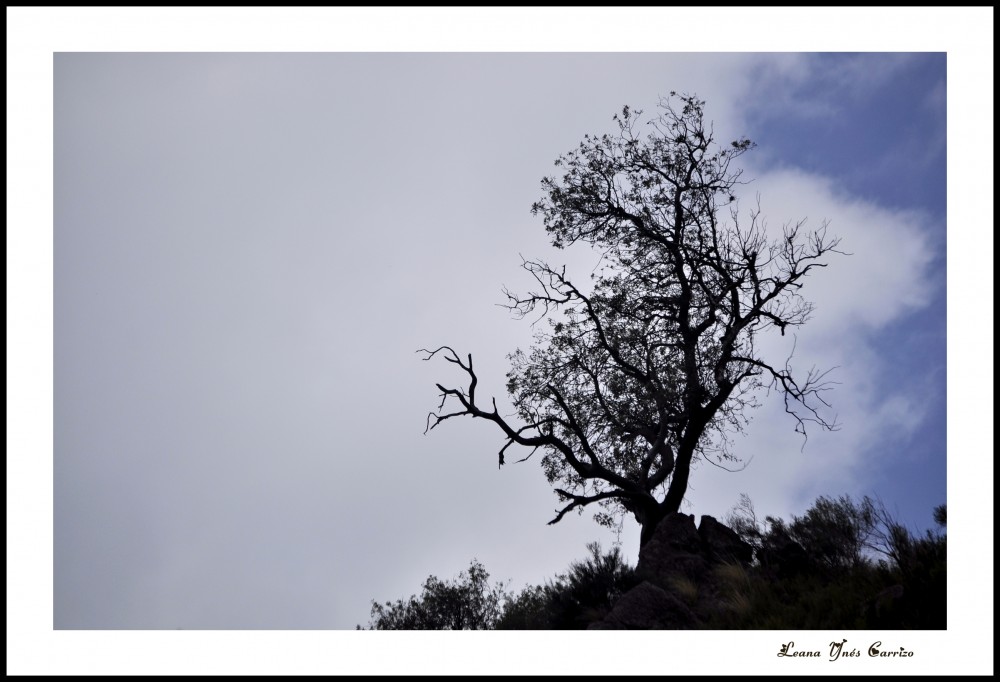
x: 651, y: 517
x: 649, y: 524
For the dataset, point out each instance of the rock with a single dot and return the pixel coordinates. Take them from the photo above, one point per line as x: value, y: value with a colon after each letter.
x: 674, y: 549
x: 677, y: 531
x: 648, y: 607
x: 679, y: 586
x: 721, y: 543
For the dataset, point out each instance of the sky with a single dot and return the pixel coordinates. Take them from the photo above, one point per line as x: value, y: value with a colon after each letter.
x: 250, y: 248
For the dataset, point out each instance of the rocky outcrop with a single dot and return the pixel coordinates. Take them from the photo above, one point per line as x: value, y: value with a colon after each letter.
x: 648, y: 607
x: 679, y: 583
x: 721, y: 543
x: 674, y: 550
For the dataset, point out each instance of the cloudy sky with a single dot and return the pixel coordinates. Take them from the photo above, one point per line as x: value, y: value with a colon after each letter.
x: 250, y: 248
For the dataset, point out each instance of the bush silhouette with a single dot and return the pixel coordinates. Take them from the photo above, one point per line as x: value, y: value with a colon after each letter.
x: 583, y: 595
x: 467, y: 603
x: 843, y: 564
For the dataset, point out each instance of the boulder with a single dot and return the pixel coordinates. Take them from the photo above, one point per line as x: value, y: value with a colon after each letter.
x: 648, y: 607
x: 721, y: 543
x: 679, y: 586
x: 674, y: 549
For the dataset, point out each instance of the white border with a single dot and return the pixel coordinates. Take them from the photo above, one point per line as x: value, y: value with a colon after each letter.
x: 33, y: 34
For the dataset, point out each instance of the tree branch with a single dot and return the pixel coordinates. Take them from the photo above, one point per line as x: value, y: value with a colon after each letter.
x: 583, y: 500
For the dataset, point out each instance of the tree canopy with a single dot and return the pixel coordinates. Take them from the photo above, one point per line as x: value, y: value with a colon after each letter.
x: 656, y: 361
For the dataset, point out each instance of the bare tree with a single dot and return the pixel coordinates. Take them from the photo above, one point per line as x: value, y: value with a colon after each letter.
x: 656, y: 361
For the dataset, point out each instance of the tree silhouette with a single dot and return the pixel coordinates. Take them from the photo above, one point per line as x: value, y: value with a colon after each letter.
x: 656, y: 361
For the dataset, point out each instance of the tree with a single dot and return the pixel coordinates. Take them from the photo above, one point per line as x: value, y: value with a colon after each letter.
x: 656, y: 362
x: 467, y: 603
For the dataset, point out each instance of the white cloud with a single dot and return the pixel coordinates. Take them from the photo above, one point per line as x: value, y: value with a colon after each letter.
x: 857, y: 297
x: 886, y: 273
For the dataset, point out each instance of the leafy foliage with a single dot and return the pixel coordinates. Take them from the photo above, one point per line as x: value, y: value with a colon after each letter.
x: 569, y: 601
x: 835, y: 533
x: 467, y: 603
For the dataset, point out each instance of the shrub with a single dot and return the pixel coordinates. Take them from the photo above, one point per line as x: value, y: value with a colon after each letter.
x: 571, y: 601
x: 467, y: 603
